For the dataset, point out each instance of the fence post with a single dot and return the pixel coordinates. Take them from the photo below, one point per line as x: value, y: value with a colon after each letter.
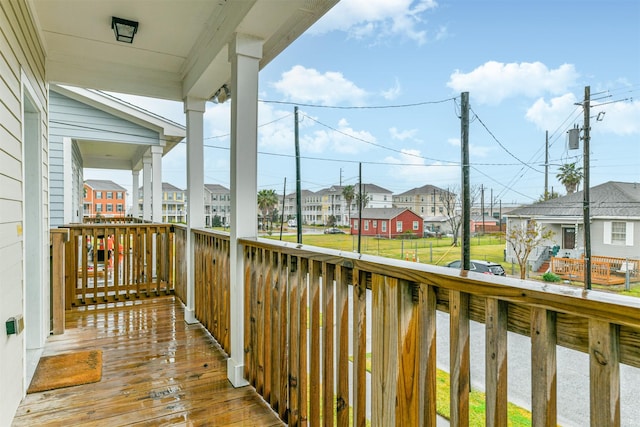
x: 59, y: 237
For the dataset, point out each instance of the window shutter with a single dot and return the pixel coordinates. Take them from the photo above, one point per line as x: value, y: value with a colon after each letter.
x: 607, y: 232
x: 629, y: 232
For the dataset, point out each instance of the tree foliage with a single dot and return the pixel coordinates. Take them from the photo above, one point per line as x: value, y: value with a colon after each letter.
x: 349, y: 193
x: 524, y: 238
x: 267, y: 201
x: 570, y: 176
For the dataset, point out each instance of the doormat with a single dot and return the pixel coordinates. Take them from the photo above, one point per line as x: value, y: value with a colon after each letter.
x: 66, y: 370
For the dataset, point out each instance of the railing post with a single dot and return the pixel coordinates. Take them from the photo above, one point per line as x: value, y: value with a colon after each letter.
x: 543, y: 368
x: 59, y: 237
x: 604, y: 361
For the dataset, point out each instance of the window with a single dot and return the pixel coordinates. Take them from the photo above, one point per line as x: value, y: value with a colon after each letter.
x: 86, y: 207
x: 355, y: 224
x: 119, y: 195
x: 398, y: 226
x: 433, y: 209
x: 383, y: 226
x: 109, y: 207
x: 440, y: 209
x: 375, y: 223
x: 98, y: 194
x: 98, y: 207
x: 618, y: 233
x: 119, y: 207
x: 416, y: 225
x: 109, y: 194
x: 366, y: 225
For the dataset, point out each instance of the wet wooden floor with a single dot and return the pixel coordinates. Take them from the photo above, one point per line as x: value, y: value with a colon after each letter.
x: 157, y: 370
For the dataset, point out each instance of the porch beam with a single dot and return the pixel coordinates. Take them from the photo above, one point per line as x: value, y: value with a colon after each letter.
x: 245, y: 53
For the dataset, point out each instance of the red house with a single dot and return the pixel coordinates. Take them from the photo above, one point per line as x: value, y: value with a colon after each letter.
x: 388, y: 222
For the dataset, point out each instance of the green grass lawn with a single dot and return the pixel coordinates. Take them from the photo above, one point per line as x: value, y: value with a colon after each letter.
x: 425, y: 250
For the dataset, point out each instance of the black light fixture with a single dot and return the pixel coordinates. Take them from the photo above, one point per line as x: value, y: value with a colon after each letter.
x: 221, y: 95
x: 124, y: 29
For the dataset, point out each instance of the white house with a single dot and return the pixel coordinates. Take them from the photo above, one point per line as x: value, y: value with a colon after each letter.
x: 615, y: 221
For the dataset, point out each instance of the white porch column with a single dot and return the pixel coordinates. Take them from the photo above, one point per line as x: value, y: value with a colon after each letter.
x: 146, y: 188
x: 194, y: 110
x: 156, y: 198
x: 135, y: 182
x: 244, y: 55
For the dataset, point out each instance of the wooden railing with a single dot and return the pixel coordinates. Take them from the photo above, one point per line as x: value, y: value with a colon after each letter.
x: 111, y: 262
x: 292, y: 346
x: 604, y: 270
x: 113, y: 220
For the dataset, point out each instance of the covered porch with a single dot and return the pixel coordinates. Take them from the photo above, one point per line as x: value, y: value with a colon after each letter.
x: 157, y: 370
x: 313, y: 344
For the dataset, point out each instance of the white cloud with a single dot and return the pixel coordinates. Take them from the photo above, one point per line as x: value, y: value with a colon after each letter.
x: 402, y: 135
x: 377, y: 19
x: 549, y: 116
x: 302, y: 84
x: 493, y: 82
x: 412, y: 169
x: 621, y: 118
x: 343, y: 140
x: 393, y: 92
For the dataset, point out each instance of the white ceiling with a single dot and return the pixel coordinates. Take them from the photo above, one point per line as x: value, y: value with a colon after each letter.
x: 181, y: 46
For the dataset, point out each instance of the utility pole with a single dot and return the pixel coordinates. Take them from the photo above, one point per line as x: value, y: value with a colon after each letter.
x: 360, y: 207
x: 298, y: 190
x: 466, y: 191
x: 546, y: 167
x: 586, y: 202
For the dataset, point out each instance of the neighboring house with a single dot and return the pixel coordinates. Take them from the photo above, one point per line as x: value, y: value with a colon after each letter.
x: 217, y: 202
x: 486, y: 224
x: 437, y: 224
x: 104, y: 198
x: 615, y: 221
x: 387, y: 222
x: 425, y: 201
x: 174, y: 201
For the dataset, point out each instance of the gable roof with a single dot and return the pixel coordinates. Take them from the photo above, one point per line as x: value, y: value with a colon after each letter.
x: 611, y: 199
x: 425, y: 189
x: 104, y: 184
x: 216, y: 188
x: 383, y: 213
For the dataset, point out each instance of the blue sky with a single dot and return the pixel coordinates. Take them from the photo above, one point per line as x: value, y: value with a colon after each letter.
x: 397, y: 68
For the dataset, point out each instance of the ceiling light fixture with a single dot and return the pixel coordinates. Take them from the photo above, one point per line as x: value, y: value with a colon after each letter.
x: 221, y: 95
x: 124, y: 29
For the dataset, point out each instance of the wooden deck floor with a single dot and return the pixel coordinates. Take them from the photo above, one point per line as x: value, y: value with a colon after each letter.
x: 157, y: 370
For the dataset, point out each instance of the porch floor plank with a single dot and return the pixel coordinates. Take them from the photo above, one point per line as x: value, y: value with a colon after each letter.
x: 157, y: 370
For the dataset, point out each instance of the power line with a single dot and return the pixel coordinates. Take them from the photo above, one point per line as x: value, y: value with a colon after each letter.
x: 362, y: 107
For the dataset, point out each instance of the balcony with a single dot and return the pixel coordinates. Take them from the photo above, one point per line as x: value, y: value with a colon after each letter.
x: 307, y: 326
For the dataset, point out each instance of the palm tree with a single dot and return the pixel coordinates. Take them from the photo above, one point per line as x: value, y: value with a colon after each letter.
x: 349, y: 193
x: 267, y: 199
x: 570, y: 176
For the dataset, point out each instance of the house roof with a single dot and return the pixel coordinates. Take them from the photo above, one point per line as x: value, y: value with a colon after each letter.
x: 170, y: 187
x: 611, y: 199
x: 383, y: 213
x: 216, y: 188
x: 104, y: 184
x: 425, y: 189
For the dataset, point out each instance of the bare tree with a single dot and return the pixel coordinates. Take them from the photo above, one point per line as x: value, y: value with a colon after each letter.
x: 524, y: 238
x: 451, y: 200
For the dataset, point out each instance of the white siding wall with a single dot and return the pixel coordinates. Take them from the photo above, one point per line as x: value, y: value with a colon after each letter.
x: 21, y: 63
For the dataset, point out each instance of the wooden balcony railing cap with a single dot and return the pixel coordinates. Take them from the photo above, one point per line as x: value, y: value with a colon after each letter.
x: 601, y: 305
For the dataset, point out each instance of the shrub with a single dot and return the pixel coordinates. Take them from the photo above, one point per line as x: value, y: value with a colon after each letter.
x: 550, y: 277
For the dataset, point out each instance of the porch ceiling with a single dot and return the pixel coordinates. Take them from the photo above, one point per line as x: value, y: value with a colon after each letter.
x: 180, y: 48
